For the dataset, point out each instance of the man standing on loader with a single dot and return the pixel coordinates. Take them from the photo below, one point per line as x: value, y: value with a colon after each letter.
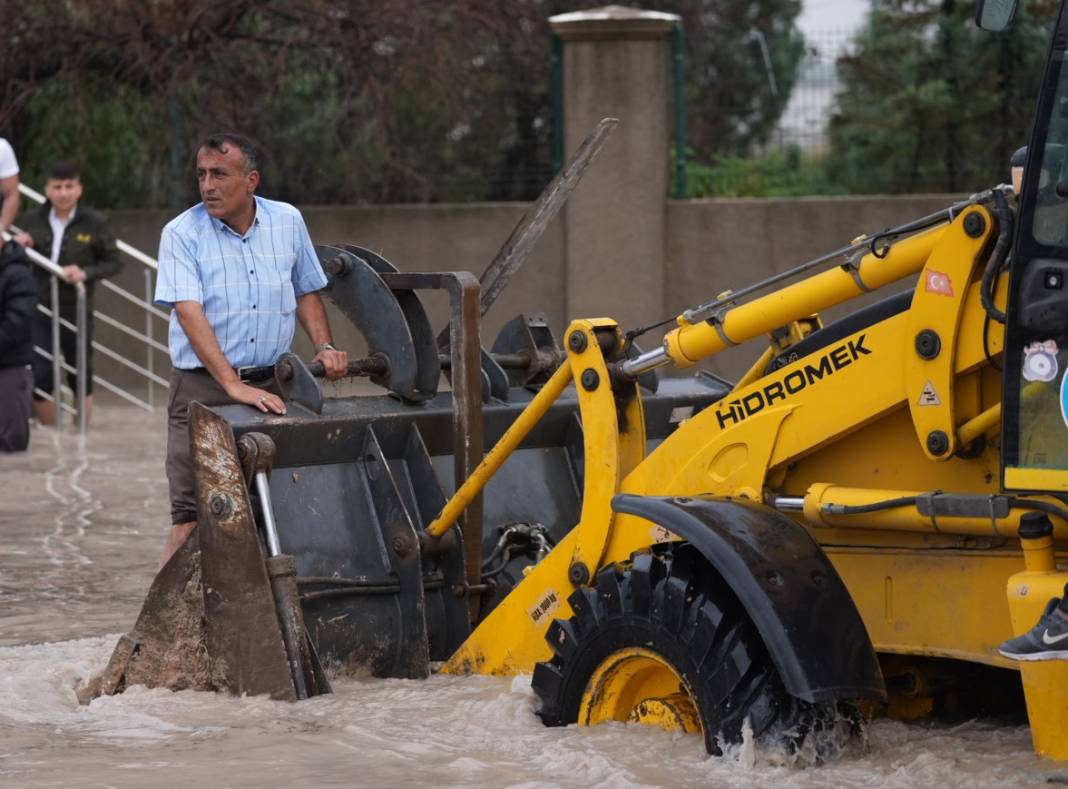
x: 236, y: 269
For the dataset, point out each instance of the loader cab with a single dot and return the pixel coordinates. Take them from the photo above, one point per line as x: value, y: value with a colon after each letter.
x: 1035, y: 393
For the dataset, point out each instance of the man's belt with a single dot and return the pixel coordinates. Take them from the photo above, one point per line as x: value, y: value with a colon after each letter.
x: 251, y: 374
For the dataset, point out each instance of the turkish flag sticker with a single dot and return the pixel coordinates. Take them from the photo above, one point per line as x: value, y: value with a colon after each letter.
x: 937, y: 282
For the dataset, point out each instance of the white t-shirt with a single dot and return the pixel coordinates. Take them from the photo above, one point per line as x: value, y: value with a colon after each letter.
x: 59, y: 227
x: 9, y: 165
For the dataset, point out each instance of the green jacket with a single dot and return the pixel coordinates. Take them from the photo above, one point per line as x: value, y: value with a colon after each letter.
x: 87, y: 242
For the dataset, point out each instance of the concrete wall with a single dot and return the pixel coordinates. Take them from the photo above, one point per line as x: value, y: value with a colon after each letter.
x: 712, y: 246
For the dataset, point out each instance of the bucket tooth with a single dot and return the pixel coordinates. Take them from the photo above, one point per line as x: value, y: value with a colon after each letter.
x: 166, y: 647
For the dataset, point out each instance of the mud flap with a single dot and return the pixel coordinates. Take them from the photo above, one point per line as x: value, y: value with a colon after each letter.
x: 786, y: 584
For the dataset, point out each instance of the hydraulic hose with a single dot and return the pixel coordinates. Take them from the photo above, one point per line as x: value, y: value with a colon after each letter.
x: 997, y: 257
x: 912, y: 501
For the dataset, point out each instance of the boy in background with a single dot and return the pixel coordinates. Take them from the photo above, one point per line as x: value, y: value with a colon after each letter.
x: 77, y: 239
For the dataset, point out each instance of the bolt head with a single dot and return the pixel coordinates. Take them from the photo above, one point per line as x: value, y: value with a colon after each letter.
x: 401, y: 546
x: 937, y: 442
x: 578, y: 574
x: 221, y: 505
x: 928, y: 344
x: 590, y: 379
x: 577, y: 341
x: 974, y: 224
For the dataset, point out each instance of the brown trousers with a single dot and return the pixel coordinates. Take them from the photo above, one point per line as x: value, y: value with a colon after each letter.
x: 185, y: 388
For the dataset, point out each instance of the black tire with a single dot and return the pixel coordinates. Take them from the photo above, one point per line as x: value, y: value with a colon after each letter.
x: 671, y: 602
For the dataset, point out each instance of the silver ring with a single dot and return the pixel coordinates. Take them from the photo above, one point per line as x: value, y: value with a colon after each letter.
x: 263, y: 399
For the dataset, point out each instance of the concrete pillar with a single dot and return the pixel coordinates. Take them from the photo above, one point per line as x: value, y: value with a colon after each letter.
x: 617, y: 62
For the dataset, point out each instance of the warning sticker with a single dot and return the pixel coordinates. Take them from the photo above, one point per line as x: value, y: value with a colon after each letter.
x: 929, y: 396
x: 937, y: 282
x: 1040, y: 361
x: 544, y: 608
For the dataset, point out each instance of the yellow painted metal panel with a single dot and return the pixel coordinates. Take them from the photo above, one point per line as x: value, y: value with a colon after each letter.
x: 935, y: 603
x: 1022, y: 478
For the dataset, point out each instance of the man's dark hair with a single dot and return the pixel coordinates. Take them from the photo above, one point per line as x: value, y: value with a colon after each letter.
x: 64, y: 171
x: 221, y: 142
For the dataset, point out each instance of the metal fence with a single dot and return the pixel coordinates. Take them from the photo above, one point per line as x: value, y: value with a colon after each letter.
x: 804, y: 122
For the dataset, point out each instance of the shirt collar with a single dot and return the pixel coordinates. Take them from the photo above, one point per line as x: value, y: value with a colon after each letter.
x: 54, y: 219
x: 218, y: 224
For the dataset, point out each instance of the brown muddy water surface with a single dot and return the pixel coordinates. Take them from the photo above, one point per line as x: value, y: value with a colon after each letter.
x: 81, y: 525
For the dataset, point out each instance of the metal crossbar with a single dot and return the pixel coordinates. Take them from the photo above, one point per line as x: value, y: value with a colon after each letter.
x: 128, y: 364
x: 107, y: 319
x: 146, y: 306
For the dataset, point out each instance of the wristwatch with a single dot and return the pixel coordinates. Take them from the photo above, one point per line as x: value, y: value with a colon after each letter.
x: 325, y: 346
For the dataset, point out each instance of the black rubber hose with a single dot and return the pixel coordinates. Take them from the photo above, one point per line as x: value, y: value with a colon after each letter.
x: 875, y: 506
x: 1050, y: 509
x: 997, y: 257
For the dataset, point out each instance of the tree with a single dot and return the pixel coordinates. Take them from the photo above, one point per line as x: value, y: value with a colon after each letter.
x: 355, y: 100
x: 734, y: 99
x: 929, y: 102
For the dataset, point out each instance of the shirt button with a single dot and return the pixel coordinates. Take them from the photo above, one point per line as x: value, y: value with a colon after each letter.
x: 250, y: 271
x: 244, y: 241
x: 252, y: 340
x: 253, y: 306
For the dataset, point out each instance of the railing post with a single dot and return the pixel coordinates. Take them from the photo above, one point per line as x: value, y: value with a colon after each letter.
x: 149, y: 354
x: 57, y: 356
x: 82, y: 353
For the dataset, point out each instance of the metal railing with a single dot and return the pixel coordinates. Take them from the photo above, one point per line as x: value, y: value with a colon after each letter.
x: 146, y: 338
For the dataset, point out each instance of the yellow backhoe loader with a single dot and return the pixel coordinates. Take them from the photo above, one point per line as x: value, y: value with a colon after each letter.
x: 855, y: 525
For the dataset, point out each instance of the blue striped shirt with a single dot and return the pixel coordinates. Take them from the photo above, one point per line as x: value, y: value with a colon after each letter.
x: 247, y: 284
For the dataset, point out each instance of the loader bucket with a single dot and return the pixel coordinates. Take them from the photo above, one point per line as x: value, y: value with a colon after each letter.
x: 351, y: 490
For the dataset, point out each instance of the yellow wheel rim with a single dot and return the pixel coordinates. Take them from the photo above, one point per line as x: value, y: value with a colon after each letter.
x: 639, y: 686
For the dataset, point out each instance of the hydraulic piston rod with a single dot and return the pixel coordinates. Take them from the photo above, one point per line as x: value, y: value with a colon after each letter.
x: 691, y: 342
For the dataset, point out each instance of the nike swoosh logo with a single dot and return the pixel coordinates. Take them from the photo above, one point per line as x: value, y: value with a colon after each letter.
x: 1047, y: 640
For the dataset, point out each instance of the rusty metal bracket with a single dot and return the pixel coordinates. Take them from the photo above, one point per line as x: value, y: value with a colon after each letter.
x: 466, y: 352
x: 297, y: 383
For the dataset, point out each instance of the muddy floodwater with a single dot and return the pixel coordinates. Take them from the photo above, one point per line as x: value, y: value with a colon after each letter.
x: 81, y: 525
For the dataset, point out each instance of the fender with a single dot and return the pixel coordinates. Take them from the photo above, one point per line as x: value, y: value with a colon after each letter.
x: 788, y: 586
